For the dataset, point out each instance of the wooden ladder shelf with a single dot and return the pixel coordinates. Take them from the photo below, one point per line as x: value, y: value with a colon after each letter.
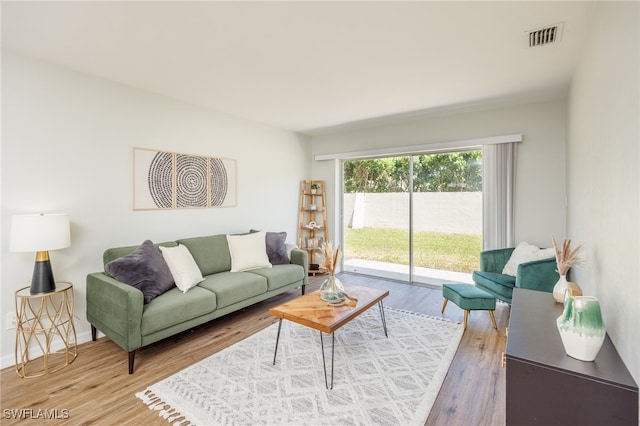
x: 312, y: 221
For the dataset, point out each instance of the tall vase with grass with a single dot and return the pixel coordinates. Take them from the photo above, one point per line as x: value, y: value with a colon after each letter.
x: 331, y: 290
x: 565, y: 259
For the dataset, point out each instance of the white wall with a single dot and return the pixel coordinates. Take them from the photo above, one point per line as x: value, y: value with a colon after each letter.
x: 448, y: 212
x: 603, y: 178
x: 67, y: 143
x: 540, y: 181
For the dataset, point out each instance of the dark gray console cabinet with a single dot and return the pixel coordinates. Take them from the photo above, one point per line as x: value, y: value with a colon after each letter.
x: 547, y: 387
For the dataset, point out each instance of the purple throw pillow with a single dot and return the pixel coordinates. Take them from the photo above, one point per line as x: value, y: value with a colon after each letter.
x: 276, y: 248
x: 144, y: 269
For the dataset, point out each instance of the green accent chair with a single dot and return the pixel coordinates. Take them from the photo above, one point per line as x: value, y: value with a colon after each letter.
x: 540, y: 275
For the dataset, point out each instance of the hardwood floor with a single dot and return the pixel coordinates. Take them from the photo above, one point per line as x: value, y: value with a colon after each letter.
x: 97, y: 389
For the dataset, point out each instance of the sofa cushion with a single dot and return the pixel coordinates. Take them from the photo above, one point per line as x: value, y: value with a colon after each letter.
x: 211, y: 253
x: 145, y: 269
x: 248, y: 251
x: 175, y: 307
x: 523, y: 253
x: 233, y: 287
x: 184, y: 269
x: 280, y: 275
x: 498, y: 283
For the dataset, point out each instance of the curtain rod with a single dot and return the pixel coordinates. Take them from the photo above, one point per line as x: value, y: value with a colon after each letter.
x: 414, y: 149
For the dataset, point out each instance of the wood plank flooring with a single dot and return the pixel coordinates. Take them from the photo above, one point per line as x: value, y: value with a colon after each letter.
x: 97, y: 389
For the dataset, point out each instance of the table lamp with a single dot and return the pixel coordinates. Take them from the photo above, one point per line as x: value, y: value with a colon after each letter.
x: 40, y: 233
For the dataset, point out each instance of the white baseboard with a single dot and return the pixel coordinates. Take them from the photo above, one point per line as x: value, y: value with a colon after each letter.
x: 10, y: 360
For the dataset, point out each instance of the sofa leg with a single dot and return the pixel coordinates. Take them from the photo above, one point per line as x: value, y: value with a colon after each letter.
x: 132, y: 355
x: 303, y: 287
x: 94, y: 333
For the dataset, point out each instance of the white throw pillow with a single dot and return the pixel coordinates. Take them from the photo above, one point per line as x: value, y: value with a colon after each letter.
x: 184, y: 269
x: 523, y: 253
x: 248, y: 251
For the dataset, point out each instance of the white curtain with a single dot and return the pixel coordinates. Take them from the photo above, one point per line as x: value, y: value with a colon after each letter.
x: 498, y: 190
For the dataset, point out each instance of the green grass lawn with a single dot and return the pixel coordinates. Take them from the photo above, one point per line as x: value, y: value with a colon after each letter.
x: 436, y: 250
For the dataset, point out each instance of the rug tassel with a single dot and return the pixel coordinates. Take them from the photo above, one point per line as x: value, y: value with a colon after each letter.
x: 422, y: 315
x: 164, y: 410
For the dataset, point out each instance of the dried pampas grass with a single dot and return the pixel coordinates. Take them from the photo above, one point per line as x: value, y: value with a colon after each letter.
x: 330, y: 255
x: 566, y: 258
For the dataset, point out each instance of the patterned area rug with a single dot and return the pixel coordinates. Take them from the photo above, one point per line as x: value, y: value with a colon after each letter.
x: 377, y: 380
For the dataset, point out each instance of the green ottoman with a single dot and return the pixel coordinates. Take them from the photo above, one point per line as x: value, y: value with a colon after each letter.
x: 469, y: 298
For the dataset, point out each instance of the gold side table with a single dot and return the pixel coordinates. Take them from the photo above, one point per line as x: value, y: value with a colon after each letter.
x: 44, y: 321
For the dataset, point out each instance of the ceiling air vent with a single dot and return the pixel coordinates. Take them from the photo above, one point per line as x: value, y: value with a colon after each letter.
x: 547, y: 35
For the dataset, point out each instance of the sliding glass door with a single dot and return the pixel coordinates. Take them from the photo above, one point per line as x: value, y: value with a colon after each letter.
x: 376, y: 217
x: 446, y: 216
x: 414, y: 218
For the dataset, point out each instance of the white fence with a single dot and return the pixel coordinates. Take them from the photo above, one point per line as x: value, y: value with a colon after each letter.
x: 450, y: 212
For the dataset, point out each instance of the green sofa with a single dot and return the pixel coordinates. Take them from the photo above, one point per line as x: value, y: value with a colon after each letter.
x: 118, y: 310
x: 538, y: 275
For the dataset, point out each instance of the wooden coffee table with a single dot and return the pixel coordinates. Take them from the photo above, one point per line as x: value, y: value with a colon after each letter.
x: 313, y: 312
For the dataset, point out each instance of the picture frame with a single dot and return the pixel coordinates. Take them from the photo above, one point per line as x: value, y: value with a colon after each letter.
x: 169, y: 180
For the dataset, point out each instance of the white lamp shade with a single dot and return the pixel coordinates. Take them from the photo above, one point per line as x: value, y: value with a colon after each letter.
x: 39, y: 232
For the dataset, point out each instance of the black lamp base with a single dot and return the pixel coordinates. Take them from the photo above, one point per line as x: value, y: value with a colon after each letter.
x: 42, y: 281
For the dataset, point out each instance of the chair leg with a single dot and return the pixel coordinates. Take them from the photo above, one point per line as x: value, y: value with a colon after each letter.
x: 466, y: 316
x: 444, y: 305
x: 94, y: 333
x: 493, y: 320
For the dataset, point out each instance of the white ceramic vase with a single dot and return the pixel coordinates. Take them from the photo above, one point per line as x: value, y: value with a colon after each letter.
x: 560, y: 289
x: 581, y: 327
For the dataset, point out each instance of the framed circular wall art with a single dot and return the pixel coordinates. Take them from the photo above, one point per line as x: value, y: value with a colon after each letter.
x: 169, y: 180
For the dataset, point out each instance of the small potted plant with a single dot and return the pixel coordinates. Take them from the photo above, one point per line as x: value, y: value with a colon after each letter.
x: 314, y: 188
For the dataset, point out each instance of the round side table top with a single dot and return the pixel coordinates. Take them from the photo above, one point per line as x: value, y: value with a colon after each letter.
x: 60, y: 286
